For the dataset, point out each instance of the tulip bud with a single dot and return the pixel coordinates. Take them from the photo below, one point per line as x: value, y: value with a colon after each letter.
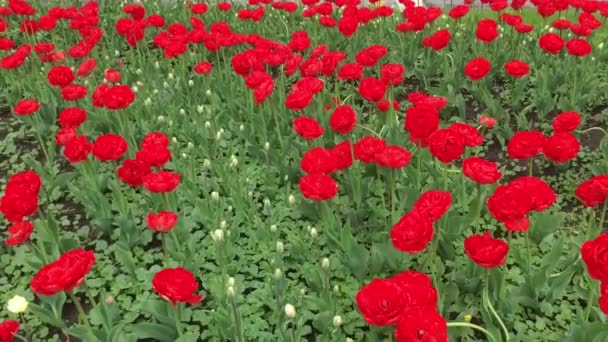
x: 217, y: 235
x: 273, y: 228
x: 601, y: 45
x: 325, y: 263
x: 337, y: 321
x: 182, y: 112
x: 116, y: 53
x: 171, y: 76
x: 207, y: 124
x: 191, y: 83
x: 266, y: 202
x: 303, y: 292
x: 280, y: 247
x: 291, y: 199
x: 135, y: 89
x: 139, y: 71
x: 156, y: 65
x: 184, y: 155
x: 336, y: 288
x: 314, y: 233
x: 148, y: 101
x: 242, y: 128
x: 290, y: 311
x: 190, y: 145
x: 218, y: 135
x: 250, y: 194
x: 223, y: 225
x: 17, y: 304
x: 200, y: 109
x: 208, y: 92
x: 160, y: 118
x: 165, y: 85
x: 267, y: 146
x: 206, y: 163
x: 109, y: 300
x: 174, y: 139
x: 487, y: 121
x: 215, y: 195
x: 230, y: 292
x: 278, y: 274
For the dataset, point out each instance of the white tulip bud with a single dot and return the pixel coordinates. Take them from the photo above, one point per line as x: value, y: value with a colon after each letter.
x: 250, y: 194
x: 174, y: 139
x: 337, y: 321
x: 191, y: 83
x: 206, y: 163
x: 314, y: 233
x: 218, y: 135
x: 325, y: 263
x: 148, y: 101
x: 155, y: 91
x: 170, y: 122
x: 215, y: 195
x: 266, y: 202
x: 231, y: 281
x: 290, y: 311
x: 208, y: 92
x: 200, y: 109
x: 160, y: 118
x: 190, y: 145
x: 182, y: 112
x: 303, y: 292
x: 278, y: 274
x: 601, y: 45
x: 171, y: 76
x: 280, y: 247
x: 223, y: 225
x: 207, y: 124
x: 336, y: 288
x: 165, y: 85
x: 267, y: 146
x: 291, y: 200
x: 116, y: 53
x: 230, y: 292
x: 135, y: 89
x: 184, y: 155
x: 217, y: 235
x: 17, y: 304
x: 139, y: 71
x: 348, y: 339
x: 242, y: 128
x: 156, y: 65
x: 273, y: 228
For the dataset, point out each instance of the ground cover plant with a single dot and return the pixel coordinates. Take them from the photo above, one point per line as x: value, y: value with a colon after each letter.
x: 314, y: 171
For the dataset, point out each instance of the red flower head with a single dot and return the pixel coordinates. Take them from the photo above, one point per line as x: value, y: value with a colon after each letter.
x: 162, y: 221
x: 392, y: 73
x: 447, y: 145
x: 421, y: 325
x: 551, y: 43
x: 372, y: 89
x: 578, y: 47
x: 433, y: 204
x: 203, y: 68
x: 318, y: 187
x: 60, y: 76
x: 561, y: 147
x: 487, y: 30
x: 343, y: 155
x: 118, y: 97
x: 350, y: 71
x: 369, y: 56
x: 154, y: 155
x: 176, y: 285
x: 538, y: 190
x: 486, y: 251
x: 64, y: 274
x: 438, y: 40
x: 367, y: 148
x: 381, y: 302
x: 566, y: 122
x: 470, y: 134
x: 525, y: 144
x: 224, y: 6
x: 480, y: 170
x: 72, y: 117
x: 421, y: 122
x: 394, y: 157
x: 307, y: 128
x: 412, y: 233
x: 594, y: 191
x: 595, y: 255
x: 162, y: 181
x: 132, y: 172
x: 112, y: 75
x: 343, y: 119
x: 8, y: 329
x: 73, y: 92
x: 109, y: 147
x: 298, y: 100
x: 517, y: 68
x: 477, y: 68
x: 487, y: 121
x: 78, y: 149
x: 26, y: 107
x: 459, y: 11
x: 318, y: 160
x: 510, y: 205
x: 19, y: 233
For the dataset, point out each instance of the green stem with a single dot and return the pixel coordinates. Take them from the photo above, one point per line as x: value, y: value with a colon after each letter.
x: 178, y: 326
x: 590, y: 302
x: 472, y: 326
x: 391, y: 174
x: 529, y: 254
x: 603, y: 215
x: 89, y: 294
x: 82, y: 314
x: 486, y: 299
x: 531, y: 167
x: 293, y: 331
x: 39, y: 138
x: 237, y: 320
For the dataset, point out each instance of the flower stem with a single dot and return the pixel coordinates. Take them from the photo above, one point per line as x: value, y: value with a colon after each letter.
x: 178, y: 326
x: 486, y: 299
x: 472, y: 326
x: 237, y: 320
x: 530, y: 167
x: 82, y: 314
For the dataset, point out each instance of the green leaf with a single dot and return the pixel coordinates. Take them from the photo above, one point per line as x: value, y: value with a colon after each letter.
x: 155, y: 331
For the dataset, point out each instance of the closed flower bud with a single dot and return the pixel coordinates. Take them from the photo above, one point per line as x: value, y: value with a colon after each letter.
x: 242, y: 128
x: 280, y: 247
x: 206, y: 163
x: 174, y: 140
x: 116, y: 53
x: 290, y: 311
x: 166, y: 85
x: 207, y: 124
x: 337, y: 321
x: 218, y: 135
x: 148, y: 101
x: 200, y: 109
x: 160, y: 118
x: 208, y: 92
x: 156, y: 65
x: 190, y: 145
x: 314, y: 233
x: 223, y: 225
x: 230, y: 292
x: 250, y: 194
x: 215, y: 195
x: 184, y: 155
x: 17, y: 304
x: 273, y: 228
x: 109, y: 300
x: 325, y: 263
x: 266, y: 202
x: 267, y: 146
x: 600, y: 46
x: 336, y: 288
x: 291, y: 200
x: 303, y: 292
x: 182, y: 112
x: 217, y: 235
x: 135, y: 89
x: 191, y: 83
x: 171, y: 76
x: 278, y: 274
